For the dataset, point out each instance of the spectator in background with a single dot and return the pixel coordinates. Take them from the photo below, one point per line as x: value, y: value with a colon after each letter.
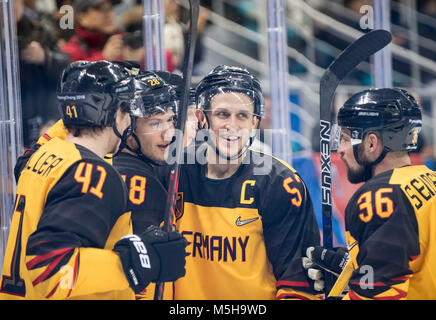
x: 96, y: 36
x: 63, y: 34
x: 203, y: 19
x: 32, y: 10
x: 133, y: 48
x: 41, y: 64
x: 133, y: 44
x: 174, y: 32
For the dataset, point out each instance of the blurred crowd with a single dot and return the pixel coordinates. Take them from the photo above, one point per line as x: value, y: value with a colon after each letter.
x: 321, y: 44
x: 101, y: 29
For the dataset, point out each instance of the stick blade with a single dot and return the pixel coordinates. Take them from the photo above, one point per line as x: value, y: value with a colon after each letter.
x: 360, y: 50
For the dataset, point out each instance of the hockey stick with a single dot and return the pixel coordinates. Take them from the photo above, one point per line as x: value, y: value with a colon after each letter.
x: 358, y: 51
x: 188, y: 62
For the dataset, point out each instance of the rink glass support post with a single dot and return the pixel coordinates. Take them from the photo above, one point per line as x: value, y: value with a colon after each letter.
x: 153, y: 20
x: 278, y: 74
x: 11, y: 137
x: 383, y: 58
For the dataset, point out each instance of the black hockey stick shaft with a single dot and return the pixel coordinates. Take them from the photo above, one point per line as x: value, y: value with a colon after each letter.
x: 188, y: 63
x: 358, y: 51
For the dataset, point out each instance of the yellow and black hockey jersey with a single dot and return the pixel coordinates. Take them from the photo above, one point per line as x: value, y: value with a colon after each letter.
x: 391, y: 225
x: 146, y: 200
x: 246, y: 233
x: 69, y: 212
x: 146, y: 194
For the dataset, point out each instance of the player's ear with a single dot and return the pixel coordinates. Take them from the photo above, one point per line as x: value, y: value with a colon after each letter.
x: 255, y: 121
x: 122, y: 120
x: 201, y: 118
x: 374, y: 142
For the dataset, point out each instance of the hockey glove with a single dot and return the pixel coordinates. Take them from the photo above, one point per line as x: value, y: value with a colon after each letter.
x: 154, y: 256
x: 319, y: 260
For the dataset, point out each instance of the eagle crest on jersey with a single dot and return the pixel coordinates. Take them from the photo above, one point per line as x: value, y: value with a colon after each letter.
x: 179, y: 205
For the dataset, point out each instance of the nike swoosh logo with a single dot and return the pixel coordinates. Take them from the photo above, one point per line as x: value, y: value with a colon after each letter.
x: 352, y: 246
x: 240, y: 222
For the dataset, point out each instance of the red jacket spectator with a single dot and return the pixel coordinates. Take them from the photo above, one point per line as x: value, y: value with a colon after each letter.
x: 133, y: 49
x: 86, y: 45
x: 96, y: 37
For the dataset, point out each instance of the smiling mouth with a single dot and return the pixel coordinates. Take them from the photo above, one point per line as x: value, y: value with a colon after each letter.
x: 163, y: 147
x: 230, y: 139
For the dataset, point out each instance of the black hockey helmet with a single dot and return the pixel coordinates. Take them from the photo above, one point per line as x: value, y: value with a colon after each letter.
x: 89, y: 93
x: 230, y: 79
x: 392, y: 112
x: 154, y: 94
x: 177, y: 81
x: 172, y: 79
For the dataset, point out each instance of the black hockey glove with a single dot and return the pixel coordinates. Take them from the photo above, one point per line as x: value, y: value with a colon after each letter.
x: 319, y: 260
x: 154, y: 256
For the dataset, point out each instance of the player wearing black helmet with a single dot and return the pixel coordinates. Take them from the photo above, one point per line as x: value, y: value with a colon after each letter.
x: 390, y: 220
x: 234, y: 88
x: 70, y: 209
x: 155, y: 108
x: 246, y: 227
x: 392, y: 114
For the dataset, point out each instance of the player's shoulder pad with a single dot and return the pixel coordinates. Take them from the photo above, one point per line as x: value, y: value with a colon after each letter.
x: 272, y: 165
x: 374, y: 184
x: 56, y: 131
x: 279, y: 174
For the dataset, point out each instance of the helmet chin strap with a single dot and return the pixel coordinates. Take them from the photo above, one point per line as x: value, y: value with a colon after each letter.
x: 368, y: 166
x: 139, y: 152
x: 126, y: 133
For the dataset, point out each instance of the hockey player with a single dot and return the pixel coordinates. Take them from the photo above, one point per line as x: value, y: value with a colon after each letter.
x: 155, y: 111
x: 390, y: 221
x: 70, y: 236
x: 246, y: 231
